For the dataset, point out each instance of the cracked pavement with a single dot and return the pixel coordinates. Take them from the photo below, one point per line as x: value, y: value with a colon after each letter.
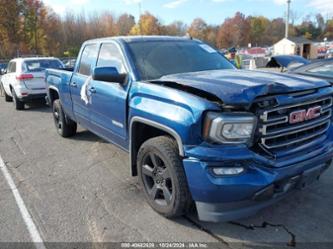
x: 80, y: 190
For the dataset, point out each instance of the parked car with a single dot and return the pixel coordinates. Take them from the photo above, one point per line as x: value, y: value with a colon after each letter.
x: 3, y: 67
x: 197, y: 129
x: 24, y: 79
x: 69, y: 63
x: 322, y: 69
x: 286, y: 62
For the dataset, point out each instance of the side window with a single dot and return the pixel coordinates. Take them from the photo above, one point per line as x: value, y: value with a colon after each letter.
x: 12, y: 67
x: 110, y: 56
x: 88, y: 59
x: 8, y: 67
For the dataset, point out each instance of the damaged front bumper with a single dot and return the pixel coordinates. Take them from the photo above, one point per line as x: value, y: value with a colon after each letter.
x: 226, y: 198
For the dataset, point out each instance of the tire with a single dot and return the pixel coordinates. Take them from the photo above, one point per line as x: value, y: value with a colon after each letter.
x: 7, y: 97
x: 1, y: 90
x: 19, y: 105
x: 3, y: 93
x: 65, y: 126
x: 161, y: 175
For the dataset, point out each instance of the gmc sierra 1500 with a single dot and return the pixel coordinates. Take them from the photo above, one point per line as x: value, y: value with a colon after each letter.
x: 197, y: 129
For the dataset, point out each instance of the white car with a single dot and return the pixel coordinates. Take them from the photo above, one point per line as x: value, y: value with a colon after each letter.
x: 24, y: 79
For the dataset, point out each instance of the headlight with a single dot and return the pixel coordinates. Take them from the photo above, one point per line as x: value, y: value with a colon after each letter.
x: 229, y: 127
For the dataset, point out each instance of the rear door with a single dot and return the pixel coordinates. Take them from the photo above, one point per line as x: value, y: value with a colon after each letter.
x: 82, y: 75
x: 10, y: 77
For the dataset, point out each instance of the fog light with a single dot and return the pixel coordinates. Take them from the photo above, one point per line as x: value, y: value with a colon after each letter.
x: 228, y: 171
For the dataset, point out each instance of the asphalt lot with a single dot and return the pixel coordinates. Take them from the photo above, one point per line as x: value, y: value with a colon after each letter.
x: 80, y: 190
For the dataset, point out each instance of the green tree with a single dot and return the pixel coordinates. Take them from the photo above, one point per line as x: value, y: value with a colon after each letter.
x: 259, y: 26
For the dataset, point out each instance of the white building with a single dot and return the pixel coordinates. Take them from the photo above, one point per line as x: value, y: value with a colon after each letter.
x: 295, y: 46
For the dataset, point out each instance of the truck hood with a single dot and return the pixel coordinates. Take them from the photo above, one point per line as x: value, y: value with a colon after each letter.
x: 241, y: 87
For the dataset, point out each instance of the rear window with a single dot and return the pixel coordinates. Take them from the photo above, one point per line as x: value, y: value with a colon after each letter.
x: 40, y: 65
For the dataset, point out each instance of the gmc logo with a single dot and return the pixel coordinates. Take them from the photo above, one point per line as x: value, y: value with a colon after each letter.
x: 304, y: 115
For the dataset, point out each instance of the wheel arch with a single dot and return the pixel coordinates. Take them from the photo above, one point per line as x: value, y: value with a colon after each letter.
x: 53, y: 94
x: 148, y: 129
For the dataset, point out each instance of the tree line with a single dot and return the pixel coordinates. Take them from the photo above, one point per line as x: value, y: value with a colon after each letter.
x: 31, y: 27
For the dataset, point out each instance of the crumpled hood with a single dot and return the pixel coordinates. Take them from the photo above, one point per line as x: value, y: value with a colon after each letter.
x: 241, y: 87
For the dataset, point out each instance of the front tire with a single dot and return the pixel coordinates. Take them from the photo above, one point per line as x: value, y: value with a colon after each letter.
x: 19, y: 105
x: 162, y: 177
x: 65, y: 126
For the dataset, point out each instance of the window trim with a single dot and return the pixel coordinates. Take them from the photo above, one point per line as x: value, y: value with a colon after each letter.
x: 77, y: 71
x: 126, y: 64
x: 120, y: 53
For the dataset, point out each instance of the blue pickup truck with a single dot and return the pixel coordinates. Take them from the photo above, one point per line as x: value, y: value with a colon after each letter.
x: 198, y: 131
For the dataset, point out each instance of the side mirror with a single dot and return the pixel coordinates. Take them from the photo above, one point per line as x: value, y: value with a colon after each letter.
x: 109, y: 74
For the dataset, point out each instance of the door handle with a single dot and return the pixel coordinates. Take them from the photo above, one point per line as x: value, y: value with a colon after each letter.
x: 73, y: 84
x: 92, y: 90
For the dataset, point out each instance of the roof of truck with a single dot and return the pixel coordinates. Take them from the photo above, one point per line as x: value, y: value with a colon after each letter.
x: 141, y: 38
x: 34, y: 58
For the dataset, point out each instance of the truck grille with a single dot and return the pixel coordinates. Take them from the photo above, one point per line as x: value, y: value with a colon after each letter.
x: 277, y: 132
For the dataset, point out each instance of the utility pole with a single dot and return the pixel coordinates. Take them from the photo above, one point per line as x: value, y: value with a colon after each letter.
x: 287, y: 18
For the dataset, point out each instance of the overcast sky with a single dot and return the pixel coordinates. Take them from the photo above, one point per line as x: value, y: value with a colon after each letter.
x: 213, y: 11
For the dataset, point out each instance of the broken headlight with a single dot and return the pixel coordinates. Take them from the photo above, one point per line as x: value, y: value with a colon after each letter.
x: 229, y: 128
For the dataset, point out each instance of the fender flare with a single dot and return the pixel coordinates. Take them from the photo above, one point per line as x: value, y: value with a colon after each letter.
x: 172, y: 132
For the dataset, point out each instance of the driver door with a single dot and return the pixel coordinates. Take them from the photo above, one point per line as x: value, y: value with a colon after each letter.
x: 108, y: 107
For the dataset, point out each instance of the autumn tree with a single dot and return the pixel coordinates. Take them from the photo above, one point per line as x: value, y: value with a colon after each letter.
x: 177, y: 28
x: 328, y: 32
x: 259, y: 29
x: 275, y: 31
x: 234, y: 31
x: 198, y: 29
x: 10, y: 12
x: 147, y: 25
x: 125, y: 23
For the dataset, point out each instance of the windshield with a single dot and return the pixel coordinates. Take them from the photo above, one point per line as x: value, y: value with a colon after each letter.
x: 41, y: 65
x: 154, y: 59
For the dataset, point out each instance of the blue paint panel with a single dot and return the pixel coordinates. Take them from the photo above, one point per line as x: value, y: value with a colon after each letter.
x: 112, y: 107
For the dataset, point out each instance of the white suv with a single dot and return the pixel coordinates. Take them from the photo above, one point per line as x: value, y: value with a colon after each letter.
x: 24, y: 79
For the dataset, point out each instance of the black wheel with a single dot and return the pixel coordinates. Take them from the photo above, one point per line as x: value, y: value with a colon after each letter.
x: 19, y: 105
x: 65, y: 126
x: 162, y: 177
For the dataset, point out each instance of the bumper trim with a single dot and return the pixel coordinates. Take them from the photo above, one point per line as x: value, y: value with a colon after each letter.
x: 31, y: 97
x: 220, y: 212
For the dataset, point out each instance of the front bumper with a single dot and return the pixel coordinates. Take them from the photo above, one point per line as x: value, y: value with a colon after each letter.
x: 233, y: 197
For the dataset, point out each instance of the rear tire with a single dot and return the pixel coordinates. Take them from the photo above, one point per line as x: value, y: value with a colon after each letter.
x: 19, y: 105
x: 3, y: 93
x: 65, y: 126
x: 7, y: 97
x: 162, y: 177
